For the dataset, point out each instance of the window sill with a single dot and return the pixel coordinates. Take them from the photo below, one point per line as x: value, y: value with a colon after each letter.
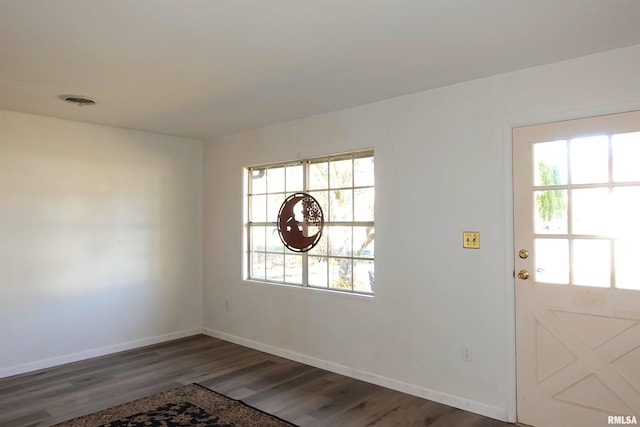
x: 308, y: 290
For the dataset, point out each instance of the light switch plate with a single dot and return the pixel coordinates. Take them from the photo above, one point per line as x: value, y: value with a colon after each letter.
x: 471, y: 239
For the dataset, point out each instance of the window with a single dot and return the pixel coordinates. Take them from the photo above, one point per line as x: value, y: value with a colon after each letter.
x: 343, y: 259
x: 587, y: 205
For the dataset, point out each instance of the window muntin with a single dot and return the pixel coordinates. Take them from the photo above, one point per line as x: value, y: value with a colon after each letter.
x: 343, y: 260
x: 587, y: 204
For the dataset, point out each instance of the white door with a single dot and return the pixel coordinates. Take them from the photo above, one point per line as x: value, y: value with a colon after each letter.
x: 577, y: 271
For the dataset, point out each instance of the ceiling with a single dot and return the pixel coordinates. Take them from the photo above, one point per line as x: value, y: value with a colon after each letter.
x: 203, y: 68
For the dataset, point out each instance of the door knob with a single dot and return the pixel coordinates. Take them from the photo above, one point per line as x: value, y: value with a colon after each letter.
x: 523, y: 274
x: 524, y: 254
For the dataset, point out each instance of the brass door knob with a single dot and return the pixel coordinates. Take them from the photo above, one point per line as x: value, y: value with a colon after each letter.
x: 523, y: 274
x: 524, y: 254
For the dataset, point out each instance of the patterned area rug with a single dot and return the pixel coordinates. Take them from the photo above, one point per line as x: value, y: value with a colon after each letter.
x: 191, y: 405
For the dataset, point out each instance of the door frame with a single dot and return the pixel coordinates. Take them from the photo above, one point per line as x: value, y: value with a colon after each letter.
x: 509, y: 123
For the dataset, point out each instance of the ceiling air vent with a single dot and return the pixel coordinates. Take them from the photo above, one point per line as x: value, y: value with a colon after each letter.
x: 80, y: 101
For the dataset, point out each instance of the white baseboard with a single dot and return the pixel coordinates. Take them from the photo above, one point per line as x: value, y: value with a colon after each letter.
x: 423, y: 392
x: 88, y: 354
x: 413, y: 389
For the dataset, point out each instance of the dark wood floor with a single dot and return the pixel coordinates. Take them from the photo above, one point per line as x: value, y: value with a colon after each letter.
x: 301, y: 394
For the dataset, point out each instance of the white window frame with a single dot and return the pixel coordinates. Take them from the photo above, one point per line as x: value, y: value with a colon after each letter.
x: 351, y: 258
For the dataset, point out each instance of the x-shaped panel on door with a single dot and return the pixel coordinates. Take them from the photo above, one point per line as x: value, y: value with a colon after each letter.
x: 585, y: 356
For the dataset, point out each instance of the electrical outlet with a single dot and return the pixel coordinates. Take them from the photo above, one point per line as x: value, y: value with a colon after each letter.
x: 466, y: 354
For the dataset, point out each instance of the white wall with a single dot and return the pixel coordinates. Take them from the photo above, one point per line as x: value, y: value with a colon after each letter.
x: 100, y: 240
x: 443, y: 165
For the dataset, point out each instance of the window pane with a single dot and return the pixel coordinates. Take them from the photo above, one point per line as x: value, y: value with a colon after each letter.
x: 258, y: 181
x: 590, y: 211
x: 340, y: 273
x: 592, y: 263
x: 626, y: 212
x: 318, y: 176
x: 363, y: 242
x: 363, y: 172
x: 258, y: 236
x: 339, y: 240
x: 274, y: 201
x: 258, y: 211
x: 363, y: 276
x: 341, y: 174
x: 293, y: 269
x: 295, y: 178
x: 341, y: 205
x: 275, y: 180
x: 258, y: 266
x: 274, y: 244
x: 589, y: 159
x: 363, y: 204
x: 322, y: 197
x: 318, y: 271
x: 626, y: 152
x: 550, y: 162
x: 321, y: 248
x: 551, y: 212
x: 627, y: 256
x: 275, y: 267
x: 552, y: 261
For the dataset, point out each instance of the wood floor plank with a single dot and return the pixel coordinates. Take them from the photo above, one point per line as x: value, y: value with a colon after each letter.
x: 302, y: 394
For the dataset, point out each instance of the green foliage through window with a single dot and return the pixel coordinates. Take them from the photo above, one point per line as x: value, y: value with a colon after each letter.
x: 551, y: 204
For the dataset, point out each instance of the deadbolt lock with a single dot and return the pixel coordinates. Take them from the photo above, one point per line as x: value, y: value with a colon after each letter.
x: 523, y: 274
x: 524, y: 254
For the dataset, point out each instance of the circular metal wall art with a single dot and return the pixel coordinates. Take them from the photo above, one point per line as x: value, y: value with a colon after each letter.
x: 300, y: 222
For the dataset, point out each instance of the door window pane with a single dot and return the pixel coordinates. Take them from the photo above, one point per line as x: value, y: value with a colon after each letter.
x: 590, y: 211
x: 552, y: 261
x: 626, y: 211
x: 589, y: 159
x: 550, y: 159
x: 626, y: 156
x: 592, y: 263
x: 551, y: 212
x: 586, y: 212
